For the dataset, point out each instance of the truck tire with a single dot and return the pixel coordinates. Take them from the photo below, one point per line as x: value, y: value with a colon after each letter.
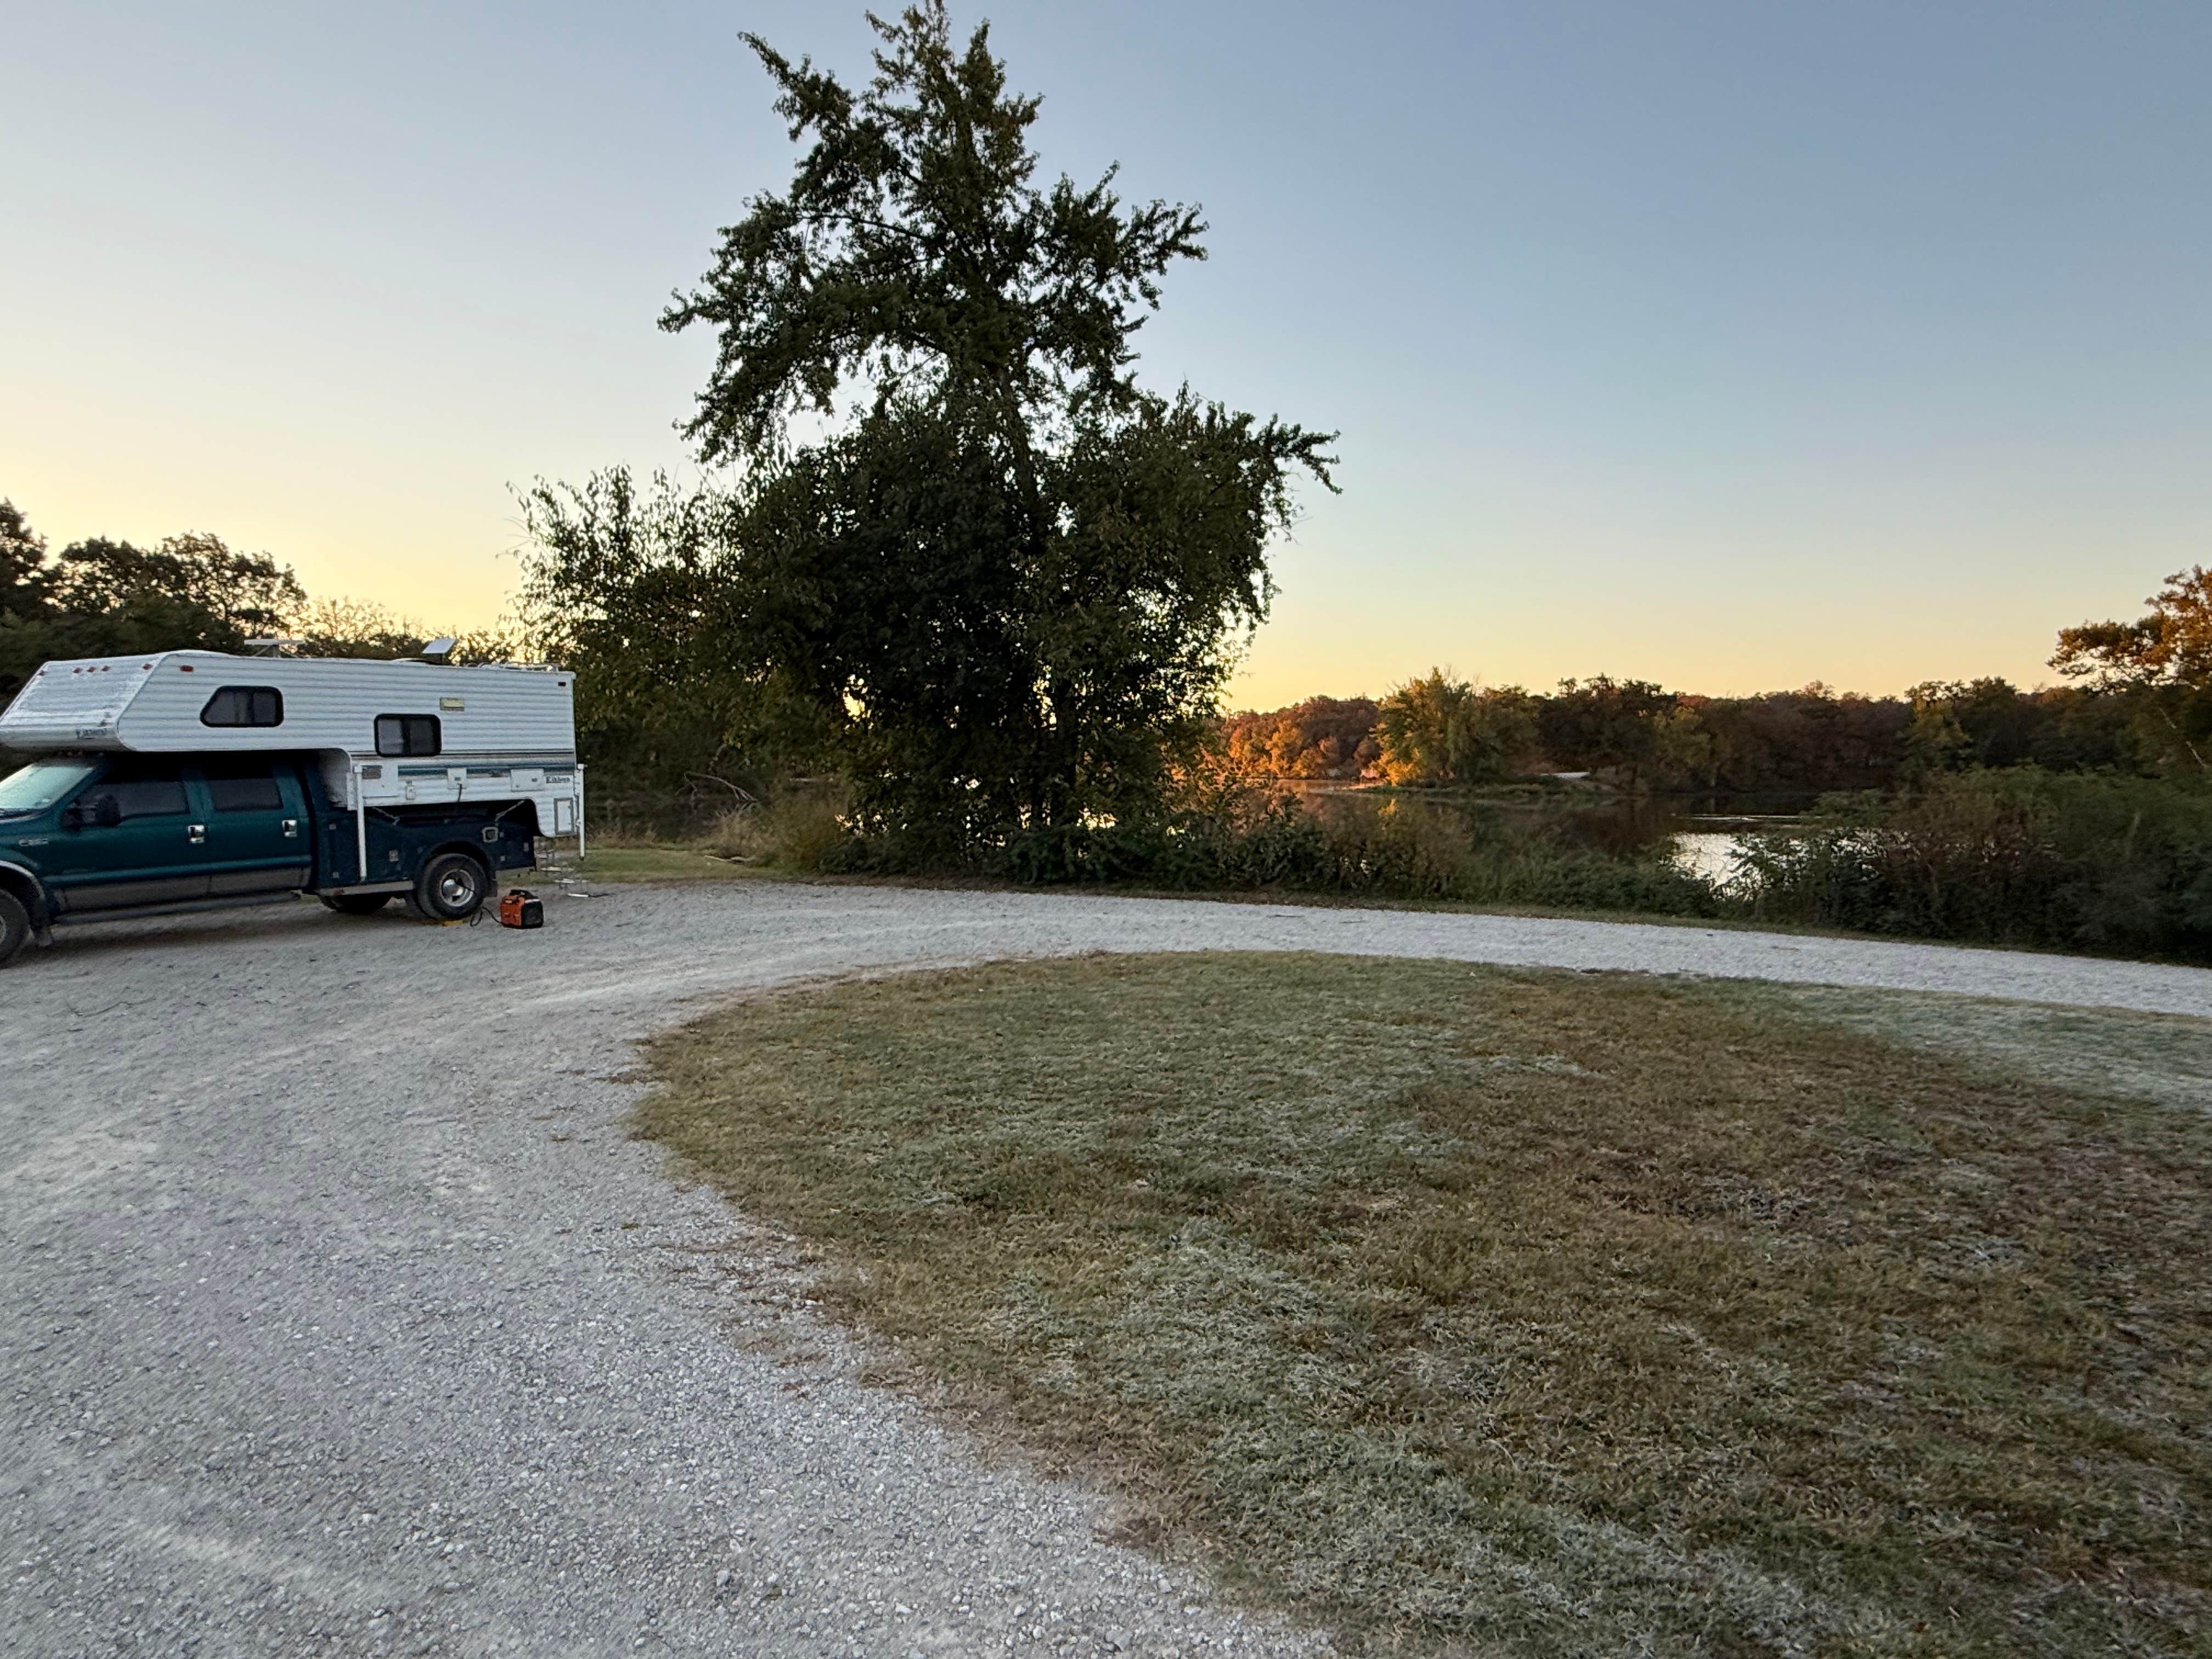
x: 357, y: 904
x: 452, y: 887
x: 14, y: 928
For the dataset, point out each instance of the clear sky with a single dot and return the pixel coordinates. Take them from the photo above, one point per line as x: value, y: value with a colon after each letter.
x: 1731, y: 346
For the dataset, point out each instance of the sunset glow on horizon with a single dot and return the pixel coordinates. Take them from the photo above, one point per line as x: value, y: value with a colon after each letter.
x: 1725, y: 347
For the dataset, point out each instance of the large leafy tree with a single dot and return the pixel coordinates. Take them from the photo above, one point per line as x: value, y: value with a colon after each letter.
x: 2171, y: 645
x: 24, y: 582
x: 2162, y: 661
x: 1439, y: 730
x: 105, y: 598
x: 636, y: 588
x: 1013, y: 578
x: 25, y: 602
x: 192, y: 591
x: 1605, y: 725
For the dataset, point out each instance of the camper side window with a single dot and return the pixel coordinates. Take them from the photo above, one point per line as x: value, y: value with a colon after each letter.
x: 407, y: 734
x: 245, y: 705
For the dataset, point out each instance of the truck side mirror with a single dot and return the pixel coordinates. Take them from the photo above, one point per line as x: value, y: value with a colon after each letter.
x: 72, y: 817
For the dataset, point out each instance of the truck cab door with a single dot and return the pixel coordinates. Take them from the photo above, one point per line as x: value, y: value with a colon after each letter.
x: 258, y: 832
x: 128, y: 838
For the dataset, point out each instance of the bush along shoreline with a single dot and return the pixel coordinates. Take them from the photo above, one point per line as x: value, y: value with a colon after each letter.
x: 2106, y: 863
x: 2097, y: 863
x: 1274, y: 844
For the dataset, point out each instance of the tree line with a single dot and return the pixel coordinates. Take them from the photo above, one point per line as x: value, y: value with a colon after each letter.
x: 2140, y: 701
x: 100, y: 596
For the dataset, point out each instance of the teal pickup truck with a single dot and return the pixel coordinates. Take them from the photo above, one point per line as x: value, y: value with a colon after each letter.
x: 96, y: 838
x: 190, y: 780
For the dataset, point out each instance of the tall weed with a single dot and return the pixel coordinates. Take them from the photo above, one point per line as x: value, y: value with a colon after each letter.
x: 799, y: 829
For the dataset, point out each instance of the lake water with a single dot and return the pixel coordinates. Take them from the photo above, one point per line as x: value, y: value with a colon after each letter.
x: 1699, y: 831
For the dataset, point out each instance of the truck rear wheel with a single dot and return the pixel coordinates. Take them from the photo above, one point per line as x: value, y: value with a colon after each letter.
x: 357, y: 904
x: 14, y: 928
x: 452, y: 887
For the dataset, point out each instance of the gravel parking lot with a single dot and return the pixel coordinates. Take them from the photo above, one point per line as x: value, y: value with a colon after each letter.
x: 343, y: 1316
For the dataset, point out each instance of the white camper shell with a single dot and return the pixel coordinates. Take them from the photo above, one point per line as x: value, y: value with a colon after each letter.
x: 385, y: 734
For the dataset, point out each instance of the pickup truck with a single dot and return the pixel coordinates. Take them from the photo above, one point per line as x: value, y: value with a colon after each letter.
x: 98, y: 837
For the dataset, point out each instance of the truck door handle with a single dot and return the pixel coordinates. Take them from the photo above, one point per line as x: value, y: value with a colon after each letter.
x: 196, y: 833
x: 291, y: 826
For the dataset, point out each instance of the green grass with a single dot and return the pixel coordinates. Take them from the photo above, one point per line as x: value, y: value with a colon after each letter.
x: 1473, y: 1310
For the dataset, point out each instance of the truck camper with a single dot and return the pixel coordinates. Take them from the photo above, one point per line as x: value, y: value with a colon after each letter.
x: 191, y: 780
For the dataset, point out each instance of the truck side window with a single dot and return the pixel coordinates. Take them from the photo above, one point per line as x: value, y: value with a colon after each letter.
x: 245, y: 705
x: 242, y: 787
x: 407, y: 734
x: 136, y: 798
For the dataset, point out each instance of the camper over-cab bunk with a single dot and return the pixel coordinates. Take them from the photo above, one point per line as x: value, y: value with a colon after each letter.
x: 190, y: 779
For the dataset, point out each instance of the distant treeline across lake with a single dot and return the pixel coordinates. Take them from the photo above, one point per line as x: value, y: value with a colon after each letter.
x: 1639, y: 737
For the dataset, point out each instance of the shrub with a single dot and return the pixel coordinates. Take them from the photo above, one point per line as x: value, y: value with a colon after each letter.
x: 796, y: 830
x: 1244, y: 843
x: 2082, y: 861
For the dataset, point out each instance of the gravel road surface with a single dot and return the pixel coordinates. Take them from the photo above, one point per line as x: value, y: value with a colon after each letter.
x: 342, y: 1317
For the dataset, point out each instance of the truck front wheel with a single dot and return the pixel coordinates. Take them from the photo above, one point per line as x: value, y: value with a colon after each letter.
x: 14, y: 928
x: 452, y: 887
x: 357, y: 904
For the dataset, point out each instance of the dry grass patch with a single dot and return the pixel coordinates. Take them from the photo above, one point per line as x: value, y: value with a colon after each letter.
x: 2162, y: 1058
x: 657, y: 863
x: 1494, y: 1311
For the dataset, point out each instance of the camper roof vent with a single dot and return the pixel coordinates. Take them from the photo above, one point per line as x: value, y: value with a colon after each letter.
x: 273, y: 647
x: 440, y: 649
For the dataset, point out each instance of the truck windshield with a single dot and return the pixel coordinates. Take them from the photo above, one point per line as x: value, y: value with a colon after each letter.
x: 41, y: 783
